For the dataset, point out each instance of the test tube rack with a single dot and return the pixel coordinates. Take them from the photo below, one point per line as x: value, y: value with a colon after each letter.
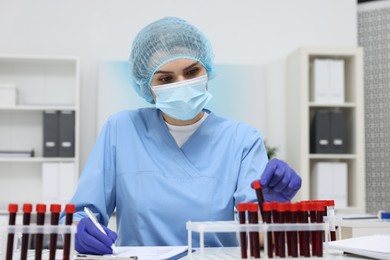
x: 234, y: 226
x: 18, y: 230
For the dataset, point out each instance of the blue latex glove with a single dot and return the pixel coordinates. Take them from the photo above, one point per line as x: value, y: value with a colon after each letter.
x: 90, y: 240
x: 279, y: 182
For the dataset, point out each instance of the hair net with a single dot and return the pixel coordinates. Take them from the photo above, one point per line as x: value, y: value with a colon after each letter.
x: 162, y: 41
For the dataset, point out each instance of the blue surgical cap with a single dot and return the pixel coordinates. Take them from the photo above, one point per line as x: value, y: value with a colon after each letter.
x: 162, y: 41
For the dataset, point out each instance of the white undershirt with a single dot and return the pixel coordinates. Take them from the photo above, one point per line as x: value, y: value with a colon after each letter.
x: 181, y: 133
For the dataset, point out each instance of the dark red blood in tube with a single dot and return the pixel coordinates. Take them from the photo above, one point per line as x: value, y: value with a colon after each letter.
x: 242, y: 208
x: 55, y: 210
x: 267, y: 209
x: 69, y: 210
x: 41, y: 210
x: 12, y: 210
x: 256, y: 185
x: 27, y: 209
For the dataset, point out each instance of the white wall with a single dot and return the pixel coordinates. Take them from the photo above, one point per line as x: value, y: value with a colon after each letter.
x: 259, y: 32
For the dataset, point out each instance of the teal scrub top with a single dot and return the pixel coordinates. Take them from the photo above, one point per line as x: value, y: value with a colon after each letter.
x: 137, y: 169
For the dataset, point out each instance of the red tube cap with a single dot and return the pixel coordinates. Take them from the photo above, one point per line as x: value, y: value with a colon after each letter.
x: 70, y: 208
x: 253, y: 207
x: 256, y: 184
x: 330, y: 203
x: 41, y: 208
x: 294, y: 207
x: 13, y: 208
x: 281, y: 207
x: 304, y: 206
x: 55, y: 208
x: 268, y: 206
x: 27, y: 208
x: 241, y: 207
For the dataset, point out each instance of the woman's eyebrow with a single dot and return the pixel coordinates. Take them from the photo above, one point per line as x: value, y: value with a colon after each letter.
x: 167, y: 72
x: 192, y: 65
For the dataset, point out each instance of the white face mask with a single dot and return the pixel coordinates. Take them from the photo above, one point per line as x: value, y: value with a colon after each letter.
x: 182, y: 100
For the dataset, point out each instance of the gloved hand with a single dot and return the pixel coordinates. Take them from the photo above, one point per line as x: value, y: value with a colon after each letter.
x: 90, y: 240
x: 279, y: 182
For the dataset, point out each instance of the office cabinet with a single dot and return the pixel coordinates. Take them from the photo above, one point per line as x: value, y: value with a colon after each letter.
x: 303, y: 106
x: 43, y: 85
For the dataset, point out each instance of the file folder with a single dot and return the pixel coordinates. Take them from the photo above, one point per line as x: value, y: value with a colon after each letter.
x: 320, y: 132
x: 337, y: 132
x: 50, y: 134
x: 66, y: 133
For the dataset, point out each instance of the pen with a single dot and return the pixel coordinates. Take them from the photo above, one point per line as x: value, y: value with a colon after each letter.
x: 96, y: 223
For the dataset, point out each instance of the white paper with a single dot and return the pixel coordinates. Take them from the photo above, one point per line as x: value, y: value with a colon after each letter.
x: 376, y: 246
x: 142, y: 252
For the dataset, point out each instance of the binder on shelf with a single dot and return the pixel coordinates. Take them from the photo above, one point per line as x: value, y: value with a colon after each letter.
x: 320, y: 81
x: 336, y: 86
x: 329, y: 181
x: 320, y: 133
x: 327, y: 81
x: 66, y: 133
x: 50, y: 134
x: 337, y: 132
x: 57, y: 182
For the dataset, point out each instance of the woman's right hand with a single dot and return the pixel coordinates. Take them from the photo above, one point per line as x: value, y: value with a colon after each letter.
x: 90, y: 240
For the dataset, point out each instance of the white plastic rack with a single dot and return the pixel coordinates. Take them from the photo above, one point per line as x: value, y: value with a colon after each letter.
x: 233, y: 226
x: 18, y: 230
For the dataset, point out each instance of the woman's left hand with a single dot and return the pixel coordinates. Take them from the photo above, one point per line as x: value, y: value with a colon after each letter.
x: 279, y: 182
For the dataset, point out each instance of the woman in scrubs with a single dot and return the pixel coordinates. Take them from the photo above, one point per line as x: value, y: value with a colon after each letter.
x: 160, y: 167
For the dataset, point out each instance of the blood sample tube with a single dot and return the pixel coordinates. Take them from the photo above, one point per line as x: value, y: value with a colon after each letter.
x: 69, y: 210
x: 275, y: 219
x: 242, y: 208
x: 330, y: 215
x: 55, y: 210
x: 313, y: 219
x: 256, y: 185
x: 27, y: 208
x: 304, y: 244
x: 12, y: 210
x: 320, y: 219
x: 288, y: 233
x: 281, y: 209
x: 253, y: 210
x: 294, y: 219
x: 267, y: 209
x: 41, y: 210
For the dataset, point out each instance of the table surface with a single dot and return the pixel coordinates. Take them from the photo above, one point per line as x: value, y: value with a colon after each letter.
x: 217, y: 253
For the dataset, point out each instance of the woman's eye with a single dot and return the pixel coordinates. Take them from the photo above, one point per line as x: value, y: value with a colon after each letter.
x: 192, y: 71
x: 165, y: 79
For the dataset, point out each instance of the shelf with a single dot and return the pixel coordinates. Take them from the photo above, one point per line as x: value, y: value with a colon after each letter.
x: 332, y: 156
x: 35, y: 159
x: 38, y: 108
x: 42, y: 83
x: 300, y: 113
x: 343, y: 105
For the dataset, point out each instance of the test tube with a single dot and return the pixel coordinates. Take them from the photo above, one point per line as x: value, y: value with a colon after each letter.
x: 303, y: 217
x: 294, y: 207
x: 242, y: 208
x: 69, y: 210
x: 12, y: 210
x: 267, y: 209
x: 330, y: 215
x: 281, y: 209
x: 27, y: 209
x: 41, y: 210
x: 288, y: 233
x: 313, y: 219
x: 256, y: 185
x: 55, y: 210
x: 319, y: 219
x: 253, y: 210
x: 275, y: 219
